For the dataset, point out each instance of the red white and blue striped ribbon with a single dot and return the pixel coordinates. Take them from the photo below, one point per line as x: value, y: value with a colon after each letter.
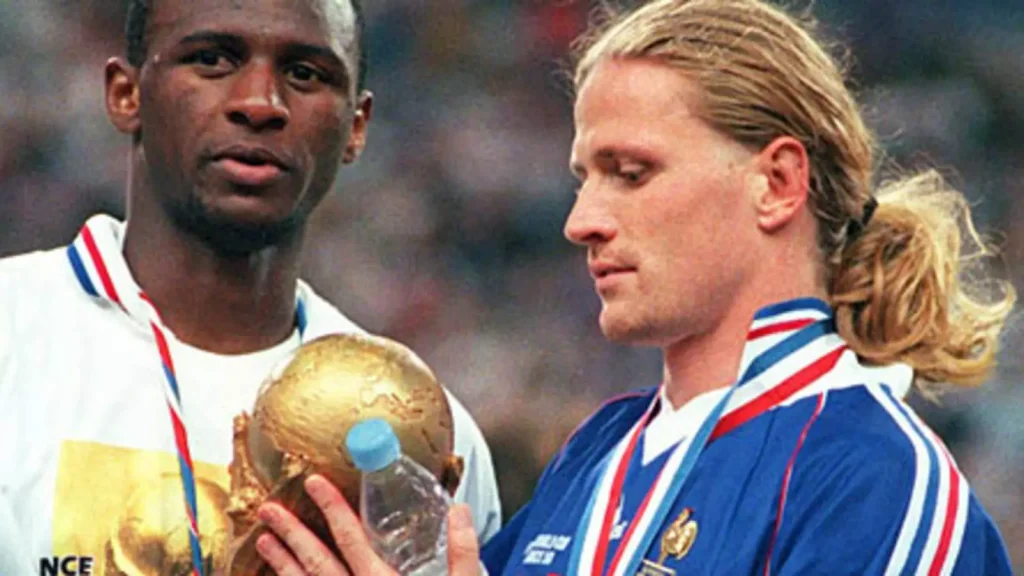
x: 769, y: 376
x: 91, y: 255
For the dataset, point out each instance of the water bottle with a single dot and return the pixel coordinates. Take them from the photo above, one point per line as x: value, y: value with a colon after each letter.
x: 403, y: 508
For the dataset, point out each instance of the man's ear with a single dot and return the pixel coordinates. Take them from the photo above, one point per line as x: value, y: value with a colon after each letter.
x: 785, y: 168
x: 122, y: 95
x: 360, y: 123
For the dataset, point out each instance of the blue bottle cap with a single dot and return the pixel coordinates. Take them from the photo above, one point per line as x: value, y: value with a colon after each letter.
x: 372, y: 444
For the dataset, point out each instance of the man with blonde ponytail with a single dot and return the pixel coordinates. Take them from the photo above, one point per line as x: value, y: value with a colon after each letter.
x: 730, y: 217
x: 729, y: 214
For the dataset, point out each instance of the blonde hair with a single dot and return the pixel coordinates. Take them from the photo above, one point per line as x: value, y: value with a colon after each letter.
x: 903, y: 263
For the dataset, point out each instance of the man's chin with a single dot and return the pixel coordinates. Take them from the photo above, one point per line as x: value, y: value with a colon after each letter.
x: 242, y: 237
x: 237, y: 228
x: 617, y: 326
x: 622, y: 327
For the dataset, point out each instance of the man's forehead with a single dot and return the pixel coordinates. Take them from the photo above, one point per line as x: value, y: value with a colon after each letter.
x: 334, y: 19
x: 331, y: 7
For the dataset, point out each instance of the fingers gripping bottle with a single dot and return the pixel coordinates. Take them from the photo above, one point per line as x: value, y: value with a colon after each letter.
x: 404, y: 509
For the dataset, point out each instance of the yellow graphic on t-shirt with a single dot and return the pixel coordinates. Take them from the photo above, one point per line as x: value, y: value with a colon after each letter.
x: 125, y: 509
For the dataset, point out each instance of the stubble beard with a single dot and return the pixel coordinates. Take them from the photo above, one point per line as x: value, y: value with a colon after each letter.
x: 636, y: 324
x: 227, y: 236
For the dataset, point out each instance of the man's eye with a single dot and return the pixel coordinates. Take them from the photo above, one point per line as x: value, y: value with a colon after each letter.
x: 633, y: 177
x: 304, y: 74
x: 207, y: 58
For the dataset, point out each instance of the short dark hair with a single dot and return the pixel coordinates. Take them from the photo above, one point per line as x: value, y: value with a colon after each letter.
x: 138, y: 13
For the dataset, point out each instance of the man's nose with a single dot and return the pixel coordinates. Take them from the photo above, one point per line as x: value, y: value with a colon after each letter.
x: 256, y: 100
x: 590, y: 221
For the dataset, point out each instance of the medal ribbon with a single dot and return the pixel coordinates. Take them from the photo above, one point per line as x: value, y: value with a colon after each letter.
x: 817, y: 337
x: 94, y: 256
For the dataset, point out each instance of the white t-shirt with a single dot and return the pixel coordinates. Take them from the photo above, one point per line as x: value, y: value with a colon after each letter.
x: 84, y: 421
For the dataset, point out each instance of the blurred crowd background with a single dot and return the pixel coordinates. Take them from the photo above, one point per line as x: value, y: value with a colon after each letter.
x: 446, y: 235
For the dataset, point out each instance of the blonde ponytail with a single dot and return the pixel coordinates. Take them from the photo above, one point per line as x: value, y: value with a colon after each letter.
x: 914, y: 287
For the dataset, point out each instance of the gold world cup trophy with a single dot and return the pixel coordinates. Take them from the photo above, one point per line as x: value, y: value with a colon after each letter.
x: 299, y: 422
x: 298, y: 426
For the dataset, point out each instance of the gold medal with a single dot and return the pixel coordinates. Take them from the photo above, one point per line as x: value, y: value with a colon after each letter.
x: 675, y: 542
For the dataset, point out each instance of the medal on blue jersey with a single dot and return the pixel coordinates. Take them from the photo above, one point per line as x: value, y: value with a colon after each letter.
x: 91, y: 255
x: 773, y: 376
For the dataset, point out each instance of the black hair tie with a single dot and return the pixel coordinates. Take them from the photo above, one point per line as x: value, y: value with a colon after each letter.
x: 855, y: 227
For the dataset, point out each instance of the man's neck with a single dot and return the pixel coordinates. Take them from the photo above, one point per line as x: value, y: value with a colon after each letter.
x: 706, y: 361
x: 221, y: 304
x: 711, y: 359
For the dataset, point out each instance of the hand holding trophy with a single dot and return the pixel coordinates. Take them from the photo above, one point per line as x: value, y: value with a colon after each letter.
x: 299, y: 422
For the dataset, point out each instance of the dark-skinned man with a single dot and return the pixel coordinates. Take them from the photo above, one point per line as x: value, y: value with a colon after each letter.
x: 124, y: 356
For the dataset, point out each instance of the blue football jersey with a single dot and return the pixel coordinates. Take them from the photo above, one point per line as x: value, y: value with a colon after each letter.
x: 814, y: 465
